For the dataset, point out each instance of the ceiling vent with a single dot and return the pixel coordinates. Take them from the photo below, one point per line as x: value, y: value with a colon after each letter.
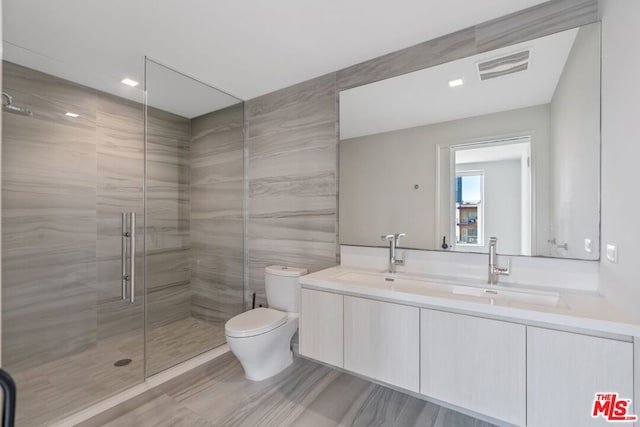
x: 508, y: 64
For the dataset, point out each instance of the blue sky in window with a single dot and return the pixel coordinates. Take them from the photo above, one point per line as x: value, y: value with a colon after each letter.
x: 471, y: 188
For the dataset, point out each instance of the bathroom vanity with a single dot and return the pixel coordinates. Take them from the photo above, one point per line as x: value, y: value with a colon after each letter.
x: 458, y: 170
x: 513, y: 354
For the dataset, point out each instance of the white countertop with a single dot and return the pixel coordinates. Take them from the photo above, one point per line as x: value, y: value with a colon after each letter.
x: 576, y: 309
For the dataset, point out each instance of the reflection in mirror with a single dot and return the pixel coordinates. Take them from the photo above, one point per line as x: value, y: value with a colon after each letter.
x: 524, y: 120
x: 469, y: 216
x: 491, y: 184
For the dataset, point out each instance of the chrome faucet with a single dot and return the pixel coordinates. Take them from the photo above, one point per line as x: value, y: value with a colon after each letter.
x: 393, y: 246
x: 494, y: 270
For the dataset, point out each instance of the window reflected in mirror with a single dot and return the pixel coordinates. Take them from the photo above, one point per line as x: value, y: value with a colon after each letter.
x: 491, y: 188
x: 468, y: 218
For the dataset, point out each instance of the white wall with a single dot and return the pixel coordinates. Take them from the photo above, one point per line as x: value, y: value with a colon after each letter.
x: 502, y: 204
x: 378, y: 174
x: 621, y: 151
x: 574, y: 133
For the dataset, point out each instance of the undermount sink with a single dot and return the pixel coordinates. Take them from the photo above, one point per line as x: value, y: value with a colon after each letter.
x: 550, y: 299
x: 438, y: 287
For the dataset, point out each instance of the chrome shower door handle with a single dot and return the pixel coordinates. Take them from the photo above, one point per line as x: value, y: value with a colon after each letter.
x: 128, y: 220
x: 123, y: 254
x: 132, y: 254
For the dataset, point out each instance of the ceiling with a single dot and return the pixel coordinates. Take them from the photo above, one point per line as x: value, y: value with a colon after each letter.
x: 245, y: 48
x: 508, y: 150
x: 171, y: 91
x: 424, y: 97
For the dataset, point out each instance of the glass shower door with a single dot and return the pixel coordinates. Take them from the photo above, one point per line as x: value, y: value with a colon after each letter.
x: 194, y: 203
x: 72, y: 182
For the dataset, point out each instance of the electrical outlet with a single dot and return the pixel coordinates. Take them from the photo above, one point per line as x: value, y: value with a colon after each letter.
x: 612, y: 253
x: 588, y: 248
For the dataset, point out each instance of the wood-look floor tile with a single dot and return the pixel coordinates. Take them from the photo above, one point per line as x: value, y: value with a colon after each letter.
x: 334, y: 404
x: 303, y: 395
x: 161, y: 412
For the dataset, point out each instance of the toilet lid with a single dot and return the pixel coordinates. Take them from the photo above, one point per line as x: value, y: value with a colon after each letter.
x: 254, y: 322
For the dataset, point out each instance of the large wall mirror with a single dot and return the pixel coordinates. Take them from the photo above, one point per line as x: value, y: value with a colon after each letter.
x: 504, y: 143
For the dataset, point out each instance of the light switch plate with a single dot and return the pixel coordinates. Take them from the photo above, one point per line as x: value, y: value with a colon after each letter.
x: 587, y: 246
x: 612, y: 253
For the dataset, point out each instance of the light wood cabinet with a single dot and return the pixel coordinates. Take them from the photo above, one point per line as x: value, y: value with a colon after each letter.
x: 565, y: 370
x: 321, y: 328
x: 474, y: 363
x: 518, y: 374
x: 381, y: 341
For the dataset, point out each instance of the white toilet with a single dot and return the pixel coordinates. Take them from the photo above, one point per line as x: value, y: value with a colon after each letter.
x: 261, y: 338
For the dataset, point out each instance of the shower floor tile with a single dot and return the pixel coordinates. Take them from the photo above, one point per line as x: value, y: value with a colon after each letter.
x: 53, y: 390
x: 179, y: 341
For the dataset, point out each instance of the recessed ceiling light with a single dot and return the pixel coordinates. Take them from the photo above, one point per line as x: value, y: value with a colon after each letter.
x: 130, y: 82
x: 456, y: 82
x: 74, y: 115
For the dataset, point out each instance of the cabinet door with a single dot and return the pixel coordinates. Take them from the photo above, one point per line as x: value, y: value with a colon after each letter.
x: 321, y: 326
x: 474, y: 363
x: 566, y: 370
x: 381, y: 341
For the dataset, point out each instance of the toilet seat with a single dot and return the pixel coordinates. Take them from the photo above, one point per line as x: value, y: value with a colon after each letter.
x: 255, y: 322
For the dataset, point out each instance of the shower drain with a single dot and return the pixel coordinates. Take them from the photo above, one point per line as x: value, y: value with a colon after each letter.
x: 122, y: 362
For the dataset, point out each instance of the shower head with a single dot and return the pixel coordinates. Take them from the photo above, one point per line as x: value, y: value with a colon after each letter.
x: 7, y: 105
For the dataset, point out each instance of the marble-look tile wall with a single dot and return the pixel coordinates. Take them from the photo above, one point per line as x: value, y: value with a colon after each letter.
x: 49, y: 220
x: 119, y: 177
x: 65, y: 182
x: 217, y: 189
x: 293, y: 137
x: 292, y: 179
x: 168, y: 211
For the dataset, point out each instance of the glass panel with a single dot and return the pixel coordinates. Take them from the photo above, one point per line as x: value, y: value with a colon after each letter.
x: 195, y: 191
x: 72, y: 164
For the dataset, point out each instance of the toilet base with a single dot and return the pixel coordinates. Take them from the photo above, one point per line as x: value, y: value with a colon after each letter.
x: 266, y: 355
x: 261, y: 374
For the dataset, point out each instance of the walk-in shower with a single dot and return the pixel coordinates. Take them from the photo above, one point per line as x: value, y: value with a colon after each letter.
x: 122, y: 228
